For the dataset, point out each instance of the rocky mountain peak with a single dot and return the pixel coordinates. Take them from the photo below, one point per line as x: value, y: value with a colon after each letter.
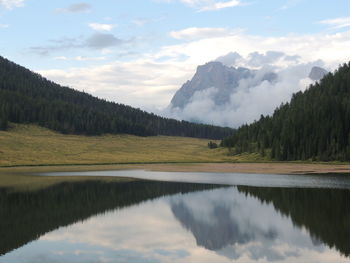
x: 214, y: 74
x: 317, y: 73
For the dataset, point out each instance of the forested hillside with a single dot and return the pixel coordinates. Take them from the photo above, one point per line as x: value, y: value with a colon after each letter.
x: 26, y: 97
x: 314, y: 125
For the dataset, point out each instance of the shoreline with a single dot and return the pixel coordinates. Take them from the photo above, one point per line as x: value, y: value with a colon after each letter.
x: 27, y: 178
x: 217, y: 167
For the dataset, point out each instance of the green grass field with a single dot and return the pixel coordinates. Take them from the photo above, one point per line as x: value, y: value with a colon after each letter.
x: 28, y: 150
x: 34, y: 145
x: 31, y: 145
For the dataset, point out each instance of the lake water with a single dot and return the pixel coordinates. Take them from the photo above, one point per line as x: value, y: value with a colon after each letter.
x: 260, y: 218
x: 269, y: 180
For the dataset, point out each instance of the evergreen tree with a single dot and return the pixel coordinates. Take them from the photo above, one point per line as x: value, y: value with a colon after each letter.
x: 314, y: 125
x: 3, y: 124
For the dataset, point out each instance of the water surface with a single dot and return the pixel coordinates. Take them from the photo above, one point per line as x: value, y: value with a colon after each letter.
x: 151, y: 221
x: 341, y: 181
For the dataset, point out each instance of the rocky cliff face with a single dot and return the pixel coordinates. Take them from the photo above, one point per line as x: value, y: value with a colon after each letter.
x: 317, y: 73
x: 215, y: 74
x: 225, y: 79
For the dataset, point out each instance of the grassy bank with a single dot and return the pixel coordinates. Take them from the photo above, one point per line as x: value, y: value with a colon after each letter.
x: 34, y: 145
x: 28, y: 178
x: 27, y: 150
x: 23, y: 182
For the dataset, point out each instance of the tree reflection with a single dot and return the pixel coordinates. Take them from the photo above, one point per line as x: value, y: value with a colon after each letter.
x: 25, y: 216
x: 325, y: 213
x: 258, y: 221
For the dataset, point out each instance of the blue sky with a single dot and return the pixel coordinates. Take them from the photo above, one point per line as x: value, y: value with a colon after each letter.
x: 139, y: 52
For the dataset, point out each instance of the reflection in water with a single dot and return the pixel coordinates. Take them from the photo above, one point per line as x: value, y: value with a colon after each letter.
x: 25, y: 216
x: 325, y: 213
x: 238, y: 226
x: 245, y: 224
x: 218, y: 224
x: 340, y: 181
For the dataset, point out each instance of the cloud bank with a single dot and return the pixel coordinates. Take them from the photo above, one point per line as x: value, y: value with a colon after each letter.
x: 150, y: 80
x: 254, y: 95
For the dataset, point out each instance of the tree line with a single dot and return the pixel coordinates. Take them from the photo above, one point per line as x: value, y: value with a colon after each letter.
x: 27, y: 97
x: 314, y: 125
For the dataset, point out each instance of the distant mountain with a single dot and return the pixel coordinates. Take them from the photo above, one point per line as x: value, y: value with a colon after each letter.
x: 27, y: 97
x: 226, y: 80
x: 314, y: 125
x: 317, y: 73
x: 214, y: 74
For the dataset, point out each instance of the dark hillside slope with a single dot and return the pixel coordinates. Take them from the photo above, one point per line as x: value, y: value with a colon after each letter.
x: 27, y: 97
x: 314, y: 125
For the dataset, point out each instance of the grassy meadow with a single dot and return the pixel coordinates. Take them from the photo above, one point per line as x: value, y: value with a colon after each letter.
x: 26, y: 150
x: 27, y: 145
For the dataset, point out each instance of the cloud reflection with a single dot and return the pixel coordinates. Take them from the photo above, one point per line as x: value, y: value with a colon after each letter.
x: 210, y: 226
x: 235, y: 225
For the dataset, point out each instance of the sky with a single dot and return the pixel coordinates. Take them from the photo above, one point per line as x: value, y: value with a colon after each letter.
x: 139, y: 52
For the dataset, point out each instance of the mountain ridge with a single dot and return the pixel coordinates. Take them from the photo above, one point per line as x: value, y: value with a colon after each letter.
x: 27, y: 97
x: 226, y: 80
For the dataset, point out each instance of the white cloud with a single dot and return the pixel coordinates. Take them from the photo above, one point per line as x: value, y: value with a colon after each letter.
x: 141, y: 83
x: 289, y: 4
x: 195, y: 33
x: 83, y: 58
x: 141, y: 21
x: 80, y: 58
x: 331, y: 48
x: 10, y: 4
x: 61, y: 58
x: 150, y: 84
x: 220, y: 5
x: 75, y: 8
x: 337, y: 23
x: 101, y: 27
x: 98, y: 41
x: 208, y: 5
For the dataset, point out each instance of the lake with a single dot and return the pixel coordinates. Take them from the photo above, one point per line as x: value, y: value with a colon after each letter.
x: 179, y: 217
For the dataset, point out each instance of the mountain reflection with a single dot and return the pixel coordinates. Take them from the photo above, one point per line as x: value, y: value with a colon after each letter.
x: 266, y: 223
x: 223, y: 229
x: 325, y: 213
x: 25, y: 216
x: 174, y: 222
